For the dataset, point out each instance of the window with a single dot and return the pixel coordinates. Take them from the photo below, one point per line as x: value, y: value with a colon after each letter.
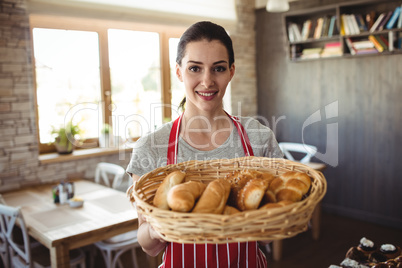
x: 97, y: 72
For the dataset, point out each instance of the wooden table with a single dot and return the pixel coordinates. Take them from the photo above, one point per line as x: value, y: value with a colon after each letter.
x: 106, y: 212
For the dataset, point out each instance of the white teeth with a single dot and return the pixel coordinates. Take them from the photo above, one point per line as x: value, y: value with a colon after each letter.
x: 206, y: 94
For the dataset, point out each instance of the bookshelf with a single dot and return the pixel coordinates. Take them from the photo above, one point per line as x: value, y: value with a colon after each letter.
x: 350, y: 29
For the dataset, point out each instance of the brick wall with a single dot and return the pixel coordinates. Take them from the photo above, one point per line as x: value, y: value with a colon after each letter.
x: 19, y: 164
x: 244, y: 83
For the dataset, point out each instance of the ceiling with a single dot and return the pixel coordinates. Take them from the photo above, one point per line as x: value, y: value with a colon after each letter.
x: 158, y: 11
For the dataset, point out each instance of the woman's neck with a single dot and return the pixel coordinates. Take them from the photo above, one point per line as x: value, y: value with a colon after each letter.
x: 205, y: 131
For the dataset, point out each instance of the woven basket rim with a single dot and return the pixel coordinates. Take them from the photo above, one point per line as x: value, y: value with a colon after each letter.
x: 270, y: 224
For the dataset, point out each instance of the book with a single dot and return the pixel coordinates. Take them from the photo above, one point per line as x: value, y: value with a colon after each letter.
x: 363, y: 44
x: 383, y: 42
x: 377, y: 22
x: 366, y: 51
x: 331, y: 26
x: 399, y: 24
x: 370, y: 18
x: 353, y: 24
x: 392, y: 21
x: 332, y: 49
x: 291, y: 34
x: 361, y: 22
x: 377, y: 44
x: 349, y: 43
x: 391, y: 42
x: 325, y: 27
x: 311, y: 53
x: 384, y: 21
x: 345, y: 24
x: 306, y: 29
x: 318, y: 29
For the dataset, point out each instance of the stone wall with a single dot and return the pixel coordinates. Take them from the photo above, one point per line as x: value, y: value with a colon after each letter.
x: 19, y: 155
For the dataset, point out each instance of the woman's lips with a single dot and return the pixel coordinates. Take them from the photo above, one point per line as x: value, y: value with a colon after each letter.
x: 207, y: 95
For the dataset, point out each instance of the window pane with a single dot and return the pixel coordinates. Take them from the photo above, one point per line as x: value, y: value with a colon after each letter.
x: 67, y: 80
x: 177, y: 87
x: 134, y: 60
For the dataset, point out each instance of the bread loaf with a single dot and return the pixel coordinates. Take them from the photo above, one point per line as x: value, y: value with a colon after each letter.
x: 214, y: 198
x: 251, y: 194
x: 229, y: 210
x: 237, y: 181
x: 182, y: 197
x: 276, y: 205
x: 290, y: 186
x: 174, y: 178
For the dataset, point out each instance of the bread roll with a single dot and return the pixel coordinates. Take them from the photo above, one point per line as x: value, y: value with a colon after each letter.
x: 213, y: 199
x: 251, y: 194
x: 182, y: 197
x: 229, y: 210
x: 276, y: 205
x: 290, y: 186
x: 160, y: 198
x: 237, y: 181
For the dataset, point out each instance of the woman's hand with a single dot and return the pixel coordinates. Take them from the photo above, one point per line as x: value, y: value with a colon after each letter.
x: 149, y: 239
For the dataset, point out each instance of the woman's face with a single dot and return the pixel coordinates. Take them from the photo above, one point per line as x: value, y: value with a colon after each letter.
x: 205, y: 72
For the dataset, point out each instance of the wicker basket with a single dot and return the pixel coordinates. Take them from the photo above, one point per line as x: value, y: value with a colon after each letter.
x: 255, y: 225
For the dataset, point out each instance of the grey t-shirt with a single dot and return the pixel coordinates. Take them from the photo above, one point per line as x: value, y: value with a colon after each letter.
x: 150, y: 151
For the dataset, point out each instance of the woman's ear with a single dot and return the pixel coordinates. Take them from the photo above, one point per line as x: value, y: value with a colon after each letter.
x: 178, y: 72
x: 232, y: 71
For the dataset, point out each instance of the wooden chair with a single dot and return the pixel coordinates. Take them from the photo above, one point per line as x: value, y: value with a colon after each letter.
x: 307, y: 152
x: 24, y: 255
x: 113, y: 248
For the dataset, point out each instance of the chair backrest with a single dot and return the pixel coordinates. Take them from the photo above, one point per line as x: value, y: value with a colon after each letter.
x: 308, y: 150
x: 3, y: 243
x: 103, y: 170
x: 9, y: 217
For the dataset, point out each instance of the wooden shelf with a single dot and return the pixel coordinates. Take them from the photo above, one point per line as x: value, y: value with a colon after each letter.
x: 299, y: 48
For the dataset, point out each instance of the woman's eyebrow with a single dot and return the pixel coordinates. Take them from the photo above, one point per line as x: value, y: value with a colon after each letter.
x: 199, y: 62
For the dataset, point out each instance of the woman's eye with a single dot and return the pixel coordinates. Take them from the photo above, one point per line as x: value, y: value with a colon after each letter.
x: 194, y: 68
x: 220, y: 69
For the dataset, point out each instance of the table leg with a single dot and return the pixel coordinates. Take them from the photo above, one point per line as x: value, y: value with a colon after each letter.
x: 277, y: 249
x: 316, y: 222
x: 60, y: 256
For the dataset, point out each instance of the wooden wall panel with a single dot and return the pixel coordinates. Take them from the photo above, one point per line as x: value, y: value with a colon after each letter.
x: 366, y: 183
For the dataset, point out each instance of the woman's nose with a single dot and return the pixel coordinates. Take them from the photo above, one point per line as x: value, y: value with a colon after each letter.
x: 207, y: 79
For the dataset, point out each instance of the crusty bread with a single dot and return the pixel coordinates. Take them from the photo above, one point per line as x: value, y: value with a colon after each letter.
x: 276, y: 205
x: 290, y: 186
x: 237, y: 181
x: 251, y: 194
x: 229, y: 210
x: 174, y: 178
x: 182, y: 197
x: 213, y: 199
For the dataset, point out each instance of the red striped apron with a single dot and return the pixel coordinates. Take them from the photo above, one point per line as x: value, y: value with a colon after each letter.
x: 244, y: 254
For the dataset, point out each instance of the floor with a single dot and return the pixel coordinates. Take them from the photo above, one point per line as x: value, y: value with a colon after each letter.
x: 338, y: 234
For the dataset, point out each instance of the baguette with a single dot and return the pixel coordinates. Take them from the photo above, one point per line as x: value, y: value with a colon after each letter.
x: 182, y: 197
x: 213, y: 199
x: 160, y: 198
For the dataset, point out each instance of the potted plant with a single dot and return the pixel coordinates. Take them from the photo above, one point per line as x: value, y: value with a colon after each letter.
x: 66, y: 137
x: 105, y: 137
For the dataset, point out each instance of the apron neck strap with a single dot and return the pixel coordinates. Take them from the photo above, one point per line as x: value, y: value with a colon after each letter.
x: 174, y: 139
